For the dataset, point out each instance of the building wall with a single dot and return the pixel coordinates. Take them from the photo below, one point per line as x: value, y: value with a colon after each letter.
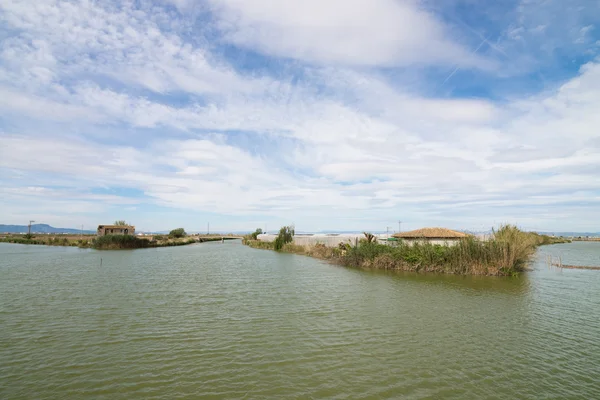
x: 112, y: 230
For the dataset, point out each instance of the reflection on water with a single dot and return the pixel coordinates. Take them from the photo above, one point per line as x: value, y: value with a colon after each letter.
x: 469, y: 284
x: 225, y: 321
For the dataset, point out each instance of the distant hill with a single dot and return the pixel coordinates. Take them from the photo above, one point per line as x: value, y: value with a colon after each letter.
x: 39, y: 228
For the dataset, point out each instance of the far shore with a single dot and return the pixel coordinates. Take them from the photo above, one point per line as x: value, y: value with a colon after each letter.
x: 115, y: 242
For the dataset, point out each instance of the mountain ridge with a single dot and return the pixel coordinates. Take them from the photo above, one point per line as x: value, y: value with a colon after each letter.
x: 40, y: 228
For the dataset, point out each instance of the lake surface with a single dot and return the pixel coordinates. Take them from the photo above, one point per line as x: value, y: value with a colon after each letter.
x: 220, y: 320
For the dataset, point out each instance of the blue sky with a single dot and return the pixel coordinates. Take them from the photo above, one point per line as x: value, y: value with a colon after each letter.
x: 337, y: 114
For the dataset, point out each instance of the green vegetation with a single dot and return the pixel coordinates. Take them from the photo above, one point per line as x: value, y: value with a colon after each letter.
x: 110, y: 242
x: 21, y: 240
x: 507, y: 253
x: 285, y: 236
x: 257, y: 244
x: 170, y: 243
x: 120, y: 223
x: 101, y: 243
x: 254, y: 235
x: 369, y: 237
x: 46, y: 240
x: 177, y: 233
x: 114, y: 242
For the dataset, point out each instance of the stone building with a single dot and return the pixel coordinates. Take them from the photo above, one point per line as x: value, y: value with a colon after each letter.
x: 116, y: 230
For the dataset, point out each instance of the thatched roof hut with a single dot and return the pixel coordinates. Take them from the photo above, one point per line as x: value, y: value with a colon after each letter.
x: 431, y: 234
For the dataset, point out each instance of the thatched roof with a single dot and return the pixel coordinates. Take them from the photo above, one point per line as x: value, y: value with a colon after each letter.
x: 431, y: 233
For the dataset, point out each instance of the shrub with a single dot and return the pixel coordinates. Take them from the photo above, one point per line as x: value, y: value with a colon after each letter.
x: 177, y: 233
x: 285, y: 236
x: 254, y: 235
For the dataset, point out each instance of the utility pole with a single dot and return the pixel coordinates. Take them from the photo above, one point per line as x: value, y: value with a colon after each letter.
x: 208, y: 228
x: 29, y: 228
x: 387, y: 231
x: 399, y: 226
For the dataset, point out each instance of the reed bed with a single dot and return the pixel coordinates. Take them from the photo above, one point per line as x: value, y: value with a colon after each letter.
x: 507, y: 253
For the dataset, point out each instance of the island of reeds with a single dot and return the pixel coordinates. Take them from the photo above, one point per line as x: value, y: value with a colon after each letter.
x: 506, y: 253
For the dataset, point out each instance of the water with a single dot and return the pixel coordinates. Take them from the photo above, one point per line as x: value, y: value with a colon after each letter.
x: 225, y: 321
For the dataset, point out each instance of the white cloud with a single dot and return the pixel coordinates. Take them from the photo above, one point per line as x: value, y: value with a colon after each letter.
x: 341, y: 147
x: 540, y: 33
x: 583, y: 34
x: 355, y: 162
x: 354, y: 32
x: 12, y: 101
x: 59, y: 39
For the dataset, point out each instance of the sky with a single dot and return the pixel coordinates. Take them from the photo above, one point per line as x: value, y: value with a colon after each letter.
x: 325, y: 114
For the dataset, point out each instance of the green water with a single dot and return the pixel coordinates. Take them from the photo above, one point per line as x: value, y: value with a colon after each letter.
x: 225, y: 321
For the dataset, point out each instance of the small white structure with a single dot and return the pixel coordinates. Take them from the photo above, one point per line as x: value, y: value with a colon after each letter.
x: 441, y: 236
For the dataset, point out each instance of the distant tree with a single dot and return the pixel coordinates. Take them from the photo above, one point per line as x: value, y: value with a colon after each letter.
x: 285, y: 236
x: 256, y: 233
x: 120, y: 223
x: 177, y: 233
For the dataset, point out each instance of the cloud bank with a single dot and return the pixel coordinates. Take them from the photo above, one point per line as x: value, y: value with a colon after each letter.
x: 344, y: 115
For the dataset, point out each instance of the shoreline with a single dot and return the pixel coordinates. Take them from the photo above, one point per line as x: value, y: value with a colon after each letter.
x: 508, y: 254
x: 90, y: 242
